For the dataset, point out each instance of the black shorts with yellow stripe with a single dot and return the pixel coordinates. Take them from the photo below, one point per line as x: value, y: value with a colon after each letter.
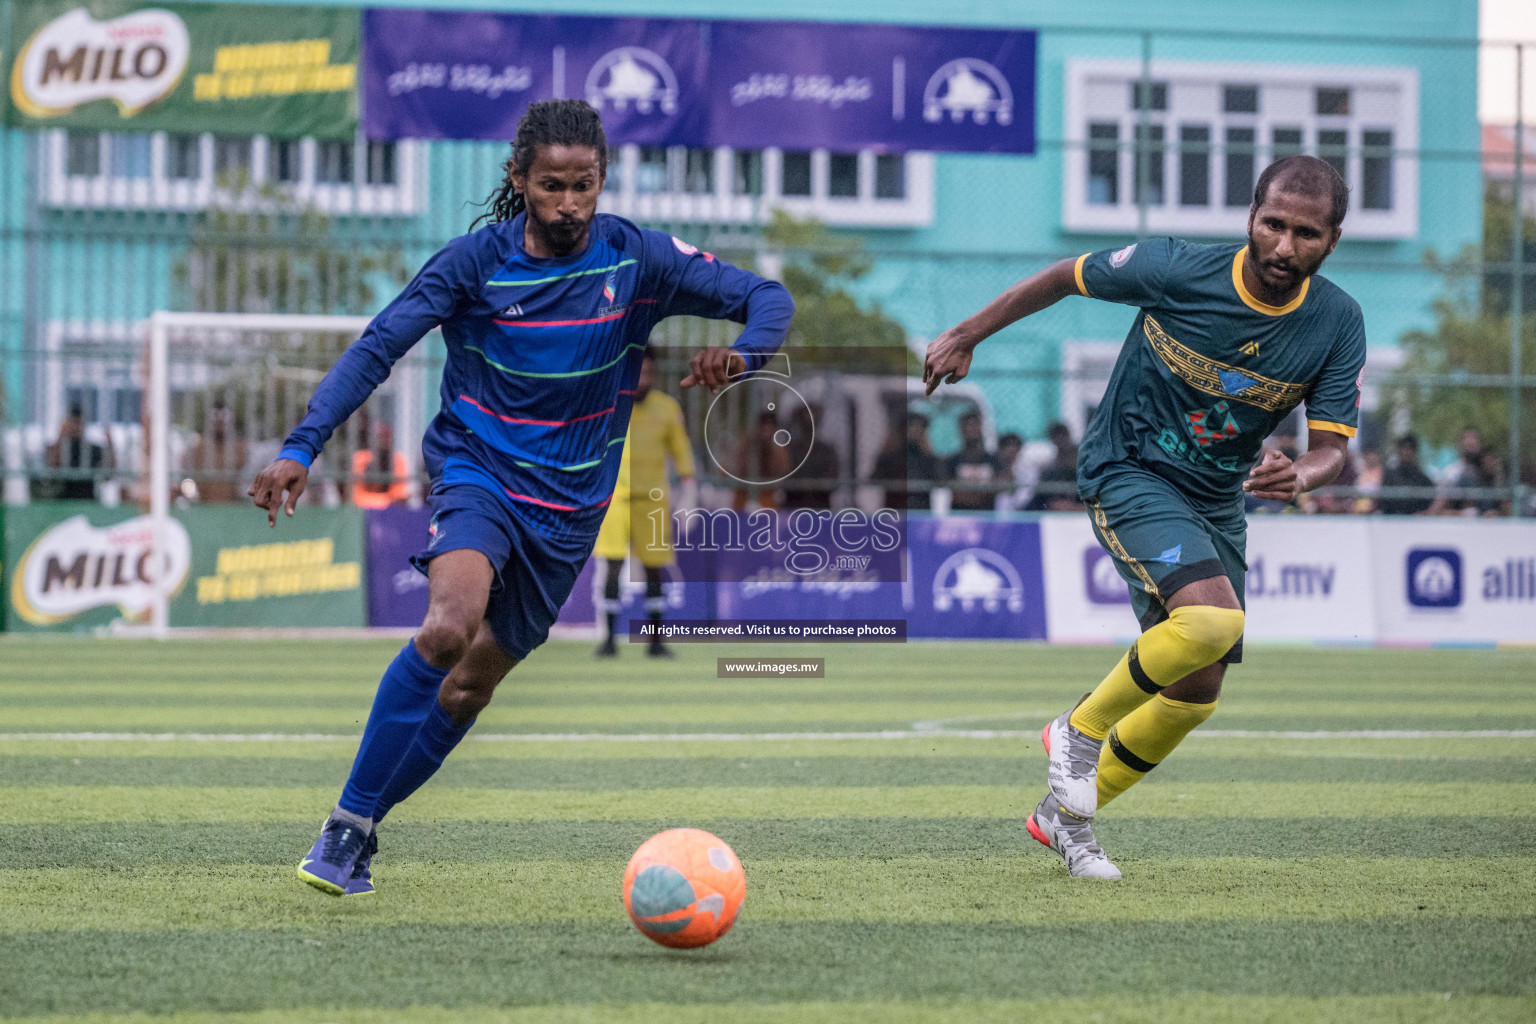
x: 1161, y: 543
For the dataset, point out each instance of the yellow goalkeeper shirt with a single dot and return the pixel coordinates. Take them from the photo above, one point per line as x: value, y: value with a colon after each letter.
x: 655, y: 431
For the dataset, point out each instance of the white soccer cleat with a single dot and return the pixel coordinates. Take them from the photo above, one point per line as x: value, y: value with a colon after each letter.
x: 1073, y: 774
x: 1072, y: 837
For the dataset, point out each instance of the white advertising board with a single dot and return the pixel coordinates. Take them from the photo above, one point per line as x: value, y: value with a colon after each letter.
x: 1310, y: 578
x: 1445, y: 580
x: 1086, y: 601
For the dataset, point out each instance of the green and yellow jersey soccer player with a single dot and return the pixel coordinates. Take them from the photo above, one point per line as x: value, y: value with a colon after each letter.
x: 1230, y: 339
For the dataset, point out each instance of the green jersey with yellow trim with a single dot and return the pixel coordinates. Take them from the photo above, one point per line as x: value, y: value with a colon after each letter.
x: 1208, y: 371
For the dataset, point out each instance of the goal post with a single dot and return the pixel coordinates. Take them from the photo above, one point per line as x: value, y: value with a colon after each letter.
x: 254, y: 373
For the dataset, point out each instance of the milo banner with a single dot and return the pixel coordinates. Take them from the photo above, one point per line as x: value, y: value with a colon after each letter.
x: 78, y: 565
x: 112, y: 65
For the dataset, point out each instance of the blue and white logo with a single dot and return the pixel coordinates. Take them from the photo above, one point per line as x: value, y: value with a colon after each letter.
x: 977, y: 579
x: 1434, y: 577
x: 1103, y: 583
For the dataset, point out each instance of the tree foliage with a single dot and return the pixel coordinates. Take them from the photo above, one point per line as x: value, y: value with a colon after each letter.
x: 1471, y: 337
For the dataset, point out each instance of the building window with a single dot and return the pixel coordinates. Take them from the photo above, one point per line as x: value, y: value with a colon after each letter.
x: 83, y: 158
x: 1332, y: 102
x: 699, y: 172
x: 129, y: 155
x: 843, y: 176
x: 1104, y: 164
x: 796, y: 174
x: 1240, y: 167
x: 747, y: 172
x: 1285, y: 142
x: 231, y: 158
x: 1149, y: 164
x: 333, y: 162
x: 127, y: 405
x: 890, y: 176
x: 283, y: 161
x: 651, y: 171
x: 380, y: 167
x: 1157, y: 92
x: 1376, y: 170
x: 1194, y: 165
x: 1240, y: 99
x: 183, y: 157
x: 1224, y: 123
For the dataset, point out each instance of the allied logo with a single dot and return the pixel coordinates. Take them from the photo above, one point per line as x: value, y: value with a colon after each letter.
x: 1434, y: 578
x: 968, y: 87
x: 1117, y: 259
x: 1103, y: 583
x: 74, y: 567
x: 977, y: 579
x: 632, y: 76
x: 134, y: 61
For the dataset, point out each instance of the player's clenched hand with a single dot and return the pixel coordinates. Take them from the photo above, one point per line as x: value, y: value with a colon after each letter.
x: 947, y: 361
x: 1274, y: 478
x: 268, y: 487
x: 714, y: 368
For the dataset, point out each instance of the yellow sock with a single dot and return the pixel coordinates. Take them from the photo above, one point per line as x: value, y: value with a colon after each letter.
x: 1140, y: 741
x: 1192, y: 637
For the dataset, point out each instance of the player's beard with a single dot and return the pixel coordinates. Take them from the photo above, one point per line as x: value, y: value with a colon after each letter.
x: 563, y: 235
x: 1294, y: 272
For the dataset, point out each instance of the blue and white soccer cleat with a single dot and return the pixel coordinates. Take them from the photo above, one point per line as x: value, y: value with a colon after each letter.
x: 330, y: 862
x: 361, y: 882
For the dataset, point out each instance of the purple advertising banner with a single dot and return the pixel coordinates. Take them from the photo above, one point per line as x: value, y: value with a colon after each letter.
x: 397, y: 593
x: 804, y: 85
x: 470, y: 75
x: 795, y: 85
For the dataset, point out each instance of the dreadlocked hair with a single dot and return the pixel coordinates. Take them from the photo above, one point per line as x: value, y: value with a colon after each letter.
x: 547, y: 123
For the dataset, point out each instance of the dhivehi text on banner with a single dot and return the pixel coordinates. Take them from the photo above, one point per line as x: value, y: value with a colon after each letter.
x: 470, y: 75
x: 112, y: 65
x: 750, y: 84
x: 802, y: 85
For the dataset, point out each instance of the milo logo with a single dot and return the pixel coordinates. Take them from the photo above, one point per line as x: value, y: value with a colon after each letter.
x: 134, y: 61
x: 75, y: 566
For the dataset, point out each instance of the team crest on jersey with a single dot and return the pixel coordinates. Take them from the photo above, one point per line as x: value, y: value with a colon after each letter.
x: 608, y: 286
x: 1118, y: 259
x: 1207, y: 426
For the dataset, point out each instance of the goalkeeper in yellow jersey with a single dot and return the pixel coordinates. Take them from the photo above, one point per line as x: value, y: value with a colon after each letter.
x: 640, y: 515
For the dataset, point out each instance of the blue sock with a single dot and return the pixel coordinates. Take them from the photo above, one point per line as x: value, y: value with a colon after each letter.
x: 439, y: 734
x: 407, y: 694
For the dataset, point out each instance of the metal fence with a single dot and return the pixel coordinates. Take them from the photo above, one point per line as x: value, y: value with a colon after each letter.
x: 99, y: 231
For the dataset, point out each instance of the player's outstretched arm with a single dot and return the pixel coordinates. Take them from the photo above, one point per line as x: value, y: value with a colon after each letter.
x: 949, y: 355
x: 281, y: 475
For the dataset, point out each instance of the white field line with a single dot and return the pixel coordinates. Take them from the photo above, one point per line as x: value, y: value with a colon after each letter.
x: 745, y: 737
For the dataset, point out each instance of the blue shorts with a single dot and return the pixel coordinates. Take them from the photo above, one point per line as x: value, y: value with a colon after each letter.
x: 534, y: 573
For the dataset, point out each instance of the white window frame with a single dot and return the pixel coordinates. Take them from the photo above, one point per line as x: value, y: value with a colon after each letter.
x: 1082, y: 383
x: 103, y: 191
x: 1194, y: 97
x: 913, y: 210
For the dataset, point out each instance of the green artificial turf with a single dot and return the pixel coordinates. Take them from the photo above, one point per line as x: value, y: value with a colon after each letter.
x: 1292, y: 875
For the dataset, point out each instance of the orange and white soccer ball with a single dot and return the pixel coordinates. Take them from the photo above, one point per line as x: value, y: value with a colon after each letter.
x: 684, y: 887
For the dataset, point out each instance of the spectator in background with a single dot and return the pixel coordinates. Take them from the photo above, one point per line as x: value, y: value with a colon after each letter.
x: 972, y: 464
x: 381, y: 474
x: 1369, y: 483
x: 1405, y: 471
x: 909, y: 459
x: 1490, y: 473
x: 1009, y: 447
x: 216, y: 462
x: 812, y: 460
x: 1464, y: 472
x: 762, y: 456
x: 78, y: 459
x: 1056, y: 490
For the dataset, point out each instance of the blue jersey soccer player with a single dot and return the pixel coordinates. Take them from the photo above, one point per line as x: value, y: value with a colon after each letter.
x: 545, y: 313
x: 1229, y: 340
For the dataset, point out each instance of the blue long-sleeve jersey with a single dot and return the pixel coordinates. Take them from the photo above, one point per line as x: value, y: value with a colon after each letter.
x: 542, y: 358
